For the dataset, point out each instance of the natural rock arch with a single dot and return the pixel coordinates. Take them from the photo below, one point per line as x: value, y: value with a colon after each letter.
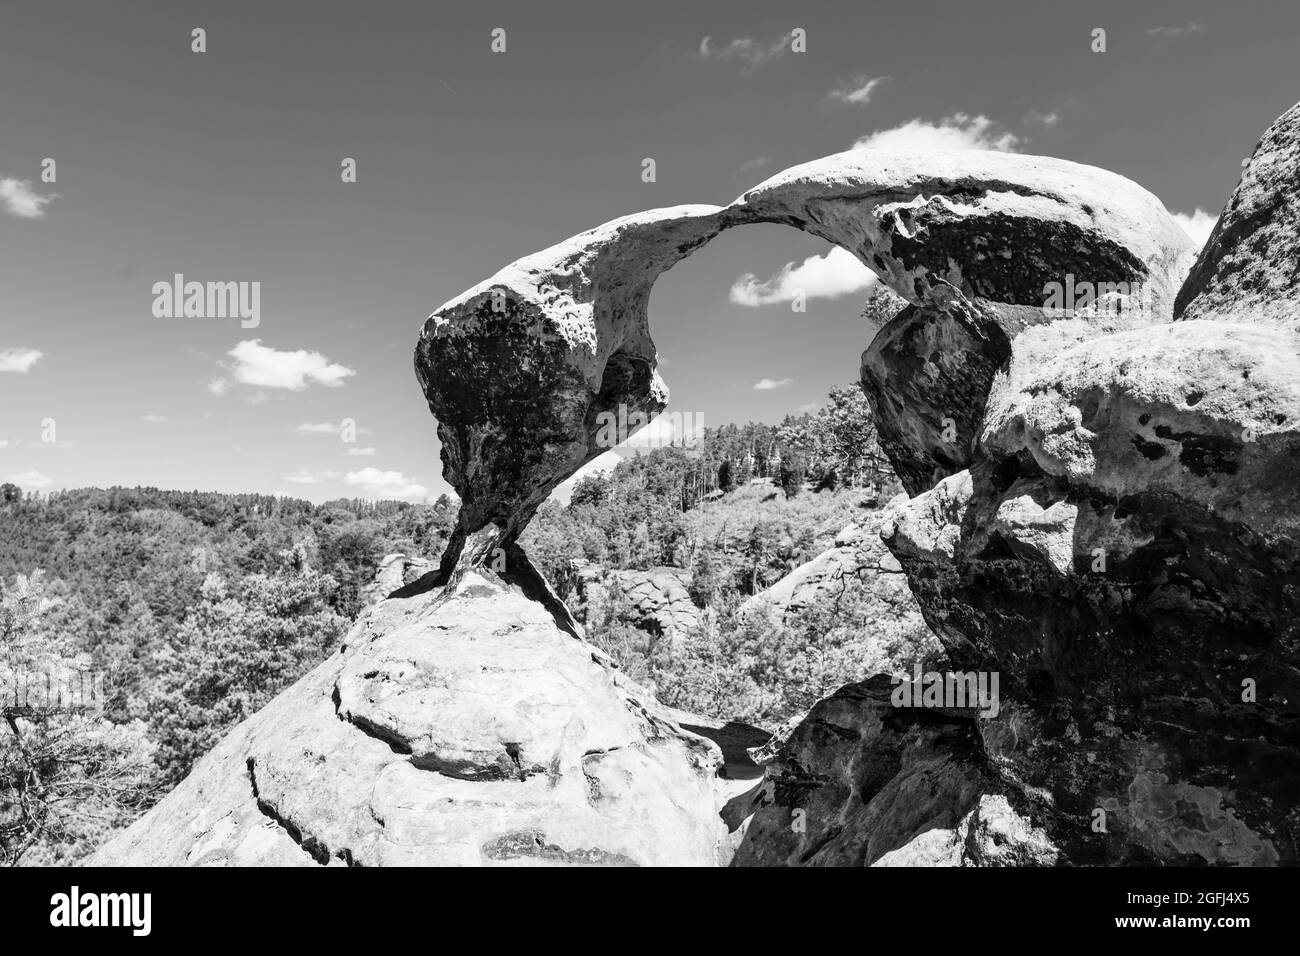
x: 464, y: 728
x: 517, y: 368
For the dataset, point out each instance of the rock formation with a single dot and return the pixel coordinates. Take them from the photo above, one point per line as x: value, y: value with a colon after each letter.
x: 858, y: 557
x: 461, y: 729
x: 1102, y: 462
x: 395, y: 572
x: 655, y: 600
x: 1124, y: 551
x: 860, y: 782
x: 519, y: 369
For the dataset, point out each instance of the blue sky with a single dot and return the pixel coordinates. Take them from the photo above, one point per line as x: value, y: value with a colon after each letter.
x: 224, y: 166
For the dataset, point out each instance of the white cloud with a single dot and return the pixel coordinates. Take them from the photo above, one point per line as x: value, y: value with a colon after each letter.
x: 361, y: 452
x: 767, y: 384
x: 19, y: 199
x: 4, y: 442
x: 19, y: 360
x: 385, y: 484
x: 746, y: 50
x: 958, y: 131
x: 29, y: 479
x: 809, y: 408
x: 155, y: 419
x: 819, y: 277
x: 1198, y: 225
x: 857, y: 91
x: 256, y: 364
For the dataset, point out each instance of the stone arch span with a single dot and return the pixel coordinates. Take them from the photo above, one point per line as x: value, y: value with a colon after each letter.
x: 517, y: 368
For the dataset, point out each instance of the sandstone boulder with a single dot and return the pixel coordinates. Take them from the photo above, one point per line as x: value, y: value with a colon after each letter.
x: 462, y: 729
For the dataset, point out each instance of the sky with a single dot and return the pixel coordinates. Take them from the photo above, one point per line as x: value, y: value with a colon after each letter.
x: 226, y: 166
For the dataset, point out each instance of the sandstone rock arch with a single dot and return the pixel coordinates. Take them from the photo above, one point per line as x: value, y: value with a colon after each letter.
x: 517, y: 368
x: 1116, y: 529
x: 463, y: 727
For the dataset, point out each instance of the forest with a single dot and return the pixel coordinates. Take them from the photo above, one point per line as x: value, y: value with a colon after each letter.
x: 195, y: 608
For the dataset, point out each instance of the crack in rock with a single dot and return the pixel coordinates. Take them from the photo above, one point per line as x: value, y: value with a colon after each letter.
x: 309, y: 844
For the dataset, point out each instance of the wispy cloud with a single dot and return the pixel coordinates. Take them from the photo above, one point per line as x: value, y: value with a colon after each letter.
x: 1198, y: 224
x: 30, y: 479
x: 767, y: 384
x: 385, y: 484
x: 19, y: 360
x: 258, y: 365
x: 1039, y: 118
x: 19, y: 199
x: 857, y: 91
x: 1187, y: 29
x: 361, y: 452
x: 304, y: 477
x: 155, y: 419
x: 747, y: 51
x: 958, y: 131
x: 836, y: 273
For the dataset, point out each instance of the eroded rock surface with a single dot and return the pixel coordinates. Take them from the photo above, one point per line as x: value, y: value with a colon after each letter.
x: 1125, y: 551
x: 395, y: 571
x: 655, y: 600
x: 467, y: 730
x: 860, y: 782
x: 858, y: 560
x: 1247, y: 271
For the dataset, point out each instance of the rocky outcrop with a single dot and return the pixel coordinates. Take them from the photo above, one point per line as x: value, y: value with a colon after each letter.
x: 1247, y: 270
x: 655, y: 600
x: 395, y: 571
x: 464, y: 729
x: 861, y: 782
x: 858, y: 558
x: 1125, y: 551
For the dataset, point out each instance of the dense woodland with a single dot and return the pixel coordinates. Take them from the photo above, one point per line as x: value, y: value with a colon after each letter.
x: 199, y: 607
